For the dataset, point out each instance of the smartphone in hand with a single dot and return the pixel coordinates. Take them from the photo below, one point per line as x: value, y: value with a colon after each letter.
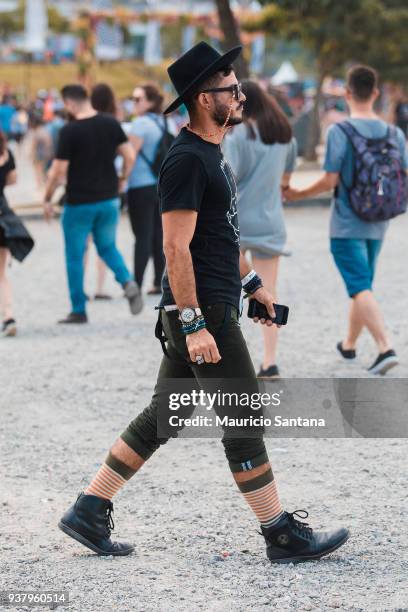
x: 256, y: 309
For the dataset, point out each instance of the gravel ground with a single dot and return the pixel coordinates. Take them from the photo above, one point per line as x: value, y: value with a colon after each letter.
x: 67, y: 393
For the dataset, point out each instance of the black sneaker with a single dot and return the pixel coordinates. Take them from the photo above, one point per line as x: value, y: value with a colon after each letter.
x: 346, y: 353
x: 90, y: 522
x: 9, y: 328
x: 74, y: 317
x: 384, y: 362
x: 271, y: 372
x: 134, y: 296
x: 291, y: 541
x: 102, y: 296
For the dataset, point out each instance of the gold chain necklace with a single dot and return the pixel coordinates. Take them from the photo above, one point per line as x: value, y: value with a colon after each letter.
x: 205, y: 135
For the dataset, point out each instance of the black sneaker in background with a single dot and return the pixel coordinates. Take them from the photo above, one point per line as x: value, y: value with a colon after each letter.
x: 74, y: 318
x: 9, y: 328
x: 291, y: 541
x: 384, y: 362
x: 271, y: 372
x: 102, y: 297
x: 346, y: 353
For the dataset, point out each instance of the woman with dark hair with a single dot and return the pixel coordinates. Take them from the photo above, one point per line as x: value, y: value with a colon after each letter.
x: 103, y: 100
x: 14, y: 238
x: 262, y: 153
x: 145, y: 135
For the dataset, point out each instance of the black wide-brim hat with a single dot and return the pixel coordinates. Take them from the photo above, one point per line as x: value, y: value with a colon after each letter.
x: 194, y: 67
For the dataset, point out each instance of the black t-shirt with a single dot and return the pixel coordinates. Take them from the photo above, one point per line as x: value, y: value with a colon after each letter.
x: 90, y: 146
x: 5, y: 169
x: 195, y: 176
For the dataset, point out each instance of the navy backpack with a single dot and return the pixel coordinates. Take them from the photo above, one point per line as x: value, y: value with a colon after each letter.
x: 380, y: 187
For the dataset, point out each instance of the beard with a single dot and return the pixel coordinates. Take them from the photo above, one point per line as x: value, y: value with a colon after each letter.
x: 220, y: 115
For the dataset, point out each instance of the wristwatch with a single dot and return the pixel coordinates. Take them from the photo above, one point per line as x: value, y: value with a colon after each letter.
x: 188, y: 314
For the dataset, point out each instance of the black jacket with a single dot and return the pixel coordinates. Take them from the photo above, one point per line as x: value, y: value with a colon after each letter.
x: 13, y: 232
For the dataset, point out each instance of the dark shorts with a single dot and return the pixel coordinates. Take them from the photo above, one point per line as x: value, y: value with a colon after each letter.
x: 234, y: 373
x: 356, y: 260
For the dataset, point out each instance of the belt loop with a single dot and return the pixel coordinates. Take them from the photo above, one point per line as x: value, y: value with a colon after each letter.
x: 160, y: 335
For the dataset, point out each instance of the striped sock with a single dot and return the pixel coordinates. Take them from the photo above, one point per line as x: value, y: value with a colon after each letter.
x: 110, y: 478
x: 262, y: 496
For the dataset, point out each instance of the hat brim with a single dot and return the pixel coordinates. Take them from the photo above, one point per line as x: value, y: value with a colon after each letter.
x: 222, y: 62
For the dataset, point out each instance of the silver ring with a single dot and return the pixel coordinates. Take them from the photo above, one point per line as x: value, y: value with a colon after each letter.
x: 199, y: 359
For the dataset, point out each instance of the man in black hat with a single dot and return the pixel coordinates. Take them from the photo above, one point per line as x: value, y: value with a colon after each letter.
x: 199, y: 314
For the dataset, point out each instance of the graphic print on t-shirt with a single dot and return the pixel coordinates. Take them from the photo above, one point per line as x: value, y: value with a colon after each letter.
x: 232, y: 212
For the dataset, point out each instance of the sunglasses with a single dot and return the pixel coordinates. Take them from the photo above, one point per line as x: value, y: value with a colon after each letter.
x: 137, y: 99
x: 235, y: 89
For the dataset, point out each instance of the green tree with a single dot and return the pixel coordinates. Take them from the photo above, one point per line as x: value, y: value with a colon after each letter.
x: 339, y: 33
x: 12, y: 22
x: 229, y: 27
x: 9, y: 24
x: 56, y: 22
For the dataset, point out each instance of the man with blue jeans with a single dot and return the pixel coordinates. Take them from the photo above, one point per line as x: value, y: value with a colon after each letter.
x: 354, y: 242
x: 86, y: 152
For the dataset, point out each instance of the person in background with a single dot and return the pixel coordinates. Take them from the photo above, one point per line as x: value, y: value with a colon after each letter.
x: 145, y: 135
x: 48, y: 109
x: 8, y: 176
x: 335, y: 112
x: 262, y: 154
x: 281, y: 97
x: 127, y: 108
x: 14, y: 239
x: 54, y: 127
x: 19, y: 125
x: 401, y: 115
x: 41, y: 150
x: 103, y: 101
x: 85, y: 160
x: 355, y: 242
x: 7, y: 110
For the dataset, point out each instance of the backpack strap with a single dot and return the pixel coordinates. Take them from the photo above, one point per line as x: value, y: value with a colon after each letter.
x: 164, y: 130
x: 146, y: 159
x: 157, y: 122
x: 351, y: 133
x: 358, y: 141
x: 347, y: 128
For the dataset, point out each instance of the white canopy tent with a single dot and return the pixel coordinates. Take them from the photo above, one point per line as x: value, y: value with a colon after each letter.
x: 285, y: 74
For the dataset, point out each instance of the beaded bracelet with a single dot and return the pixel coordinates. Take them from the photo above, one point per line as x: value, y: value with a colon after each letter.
x: 194, y: 326
x: 251, y: 282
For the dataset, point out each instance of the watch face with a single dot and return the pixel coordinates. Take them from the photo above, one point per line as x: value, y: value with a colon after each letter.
x: 187, y: 315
